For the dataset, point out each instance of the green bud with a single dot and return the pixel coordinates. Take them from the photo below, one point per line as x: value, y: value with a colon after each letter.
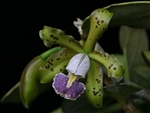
x: 94, y: 84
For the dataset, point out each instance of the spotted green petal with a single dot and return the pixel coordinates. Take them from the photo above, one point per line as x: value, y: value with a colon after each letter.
x: 111, y: 63
x: 52, y: 36
x: 99, y: 20
x: 94, y: 84
x: 55, y: 64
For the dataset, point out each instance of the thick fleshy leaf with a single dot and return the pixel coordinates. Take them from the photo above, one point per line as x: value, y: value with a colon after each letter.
x: 113, y: 66
x: 94, y: 84
x: 52, y: 36
x: 142, y: 76
x: 135, y: 14
x: 121, y: 91
x: 29, y: 84
x: 146, y: 56
x: 13, y: 96
x: 99, y: 20
x: 133, y: 41
x: 56, y: 63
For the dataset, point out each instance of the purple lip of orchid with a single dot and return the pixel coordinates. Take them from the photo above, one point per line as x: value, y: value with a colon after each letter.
x: 68, y: 86
x: 60, y: 87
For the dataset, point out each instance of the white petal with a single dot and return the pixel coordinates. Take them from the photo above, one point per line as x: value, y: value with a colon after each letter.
x: 83, y: 67
x: 73, y: 63
x: 79, y: 65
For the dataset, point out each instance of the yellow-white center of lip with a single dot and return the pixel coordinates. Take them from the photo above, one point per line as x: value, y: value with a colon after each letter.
x: 72, y: 78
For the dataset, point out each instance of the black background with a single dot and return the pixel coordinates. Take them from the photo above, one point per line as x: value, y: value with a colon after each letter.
x: 20, y: 42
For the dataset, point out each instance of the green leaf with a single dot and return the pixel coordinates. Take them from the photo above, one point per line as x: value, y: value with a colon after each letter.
x: 133, y: 14
x: 146, y: 56
x: 13, y: 96
x: 28, y: 80
x: 133, y: 41
x: 142, y: 76
x: 29, y: 84
x: 121, y: 91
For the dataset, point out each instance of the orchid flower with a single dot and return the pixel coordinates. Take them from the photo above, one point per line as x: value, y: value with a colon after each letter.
x: 80, y: 60
x: 69, y: 86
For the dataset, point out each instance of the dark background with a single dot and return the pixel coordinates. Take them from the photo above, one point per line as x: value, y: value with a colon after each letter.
x: 20, y: 42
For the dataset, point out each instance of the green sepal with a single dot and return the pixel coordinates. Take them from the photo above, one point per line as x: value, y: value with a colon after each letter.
x: 29, y: 84
x: 111, y: 63
x: 55, y: 64
x: 51, y: 36
x: 94, y: 84
x: 99, y: 20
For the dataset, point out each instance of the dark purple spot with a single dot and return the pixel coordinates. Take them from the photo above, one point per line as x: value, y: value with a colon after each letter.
x: 104, y: 29
x: 98, y: 105
x: 96, y: 18
x: 102, y: 21
x: 48, y: 66
x: 114, y: 68
x: 52, y: 70
x: 57, y: 58
x: 110, y: 66
x: 98, y: 22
